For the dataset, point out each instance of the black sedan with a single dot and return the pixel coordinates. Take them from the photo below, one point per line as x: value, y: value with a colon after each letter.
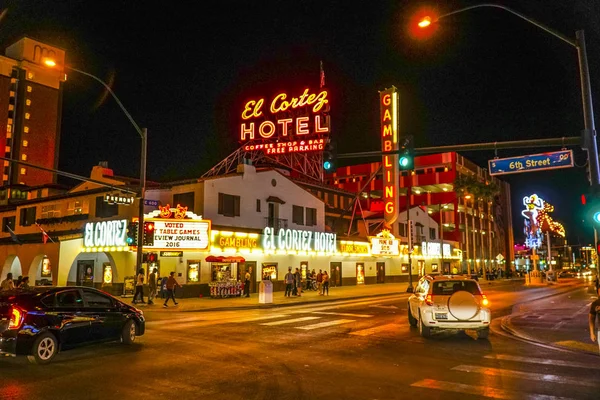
x: 42, y: 321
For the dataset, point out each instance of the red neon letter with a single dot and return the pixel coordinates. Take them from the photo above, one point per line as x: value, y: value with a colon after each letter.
x: 284, y: 125
x: 302, y: 126
x: 318, y: 127
x: 386, y: 100
x: 249, y: 130
x: 266, y: 133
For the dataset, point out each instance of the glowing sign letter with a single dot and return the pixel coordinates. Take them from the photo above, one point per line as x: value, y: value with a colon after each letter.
x: 252, y: 109
x: 302, y: 126
x: 319, y: 128
x: 247, y: 130
x: 284, y: 125
x: 266, y: 129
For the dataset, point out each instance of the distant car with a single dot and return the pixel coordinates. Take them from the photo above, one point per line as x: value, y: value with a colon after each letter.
x: 449, y: 302
x: 40, y: 322
x: 584, y: 273
x: 566, y: 274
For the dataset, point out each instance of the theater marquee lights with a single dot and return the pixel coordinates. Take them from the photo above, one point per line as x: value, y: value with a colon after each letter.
x: 270, y: 128
x: 389, y: 146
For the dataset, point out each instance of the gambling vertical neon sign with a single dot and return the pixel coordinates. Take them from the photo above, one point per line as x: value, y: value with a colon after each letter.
x: 388, y: 99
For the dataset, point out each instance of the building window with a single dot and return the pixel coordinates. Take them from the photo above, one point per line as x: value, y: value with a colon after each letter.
x: 29, y: 89
x: 431, y: 233
x: 105, y: 210
x: 311, y: 216
x: 27, y: 115
x: 298, y: 215
x: 8, y: 128
x: 27, y: 216
x: 8, y: 221
x: 185, y: 200
x: 28, y: 102
x: 78, y: 207
x: 25, y: 143
x: 23, y: 157
x: 23, y: 171
x: 7, y: 149
x: 26, y: 129
x: 50, y: 211
x: 229, y: 205
x: 402, y: 229
x: 257, y: 205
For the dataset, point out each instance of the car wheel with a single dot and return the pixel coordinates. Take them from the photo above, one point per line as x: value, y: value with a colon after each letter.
x: 411, y: 320
x: 44, y: 349
x: 425, y: 331
x: 483, y: 333
x: 128, y: 332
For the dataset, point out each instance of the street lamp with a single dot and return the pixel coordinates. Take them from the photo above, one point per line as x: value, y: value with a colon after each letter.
x: 589, y: 133
x: 143, y: 132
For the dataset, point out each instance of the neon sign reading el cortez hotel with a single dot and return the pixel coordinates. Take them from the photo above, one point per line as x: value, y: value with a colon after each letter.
x: 298, y: 240
x: 268, y: 122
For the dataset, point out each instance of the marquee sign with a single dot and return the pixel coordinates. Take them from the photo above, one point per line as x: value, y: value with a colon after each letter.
x: 385, y: 244
x: 389, y: 146
x: 434, y: 249
x: 298, y: 240
x: 176, y: 228
x: 105, y: 234
x: 277, y: 132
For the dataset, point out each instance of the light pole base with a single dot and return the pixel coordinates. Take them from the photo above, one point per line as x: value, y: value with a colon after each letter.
x: 409, y: 289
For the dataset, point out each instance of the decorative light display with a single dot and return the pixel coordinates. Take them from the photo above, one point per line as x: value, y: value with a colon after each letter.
x: 538, y: 220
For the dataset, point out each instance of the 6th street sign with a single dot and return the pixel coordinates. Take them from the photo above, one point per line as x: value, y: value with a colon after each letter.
x: 531, y: 162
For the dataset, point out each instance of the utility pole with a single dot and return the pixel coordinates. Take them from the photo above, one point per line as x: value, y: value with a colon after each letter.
x: 409, y: 289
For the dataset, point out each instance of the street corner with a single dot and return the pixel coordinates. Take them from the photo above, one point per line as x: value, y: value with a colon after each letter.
x: 589, y: 348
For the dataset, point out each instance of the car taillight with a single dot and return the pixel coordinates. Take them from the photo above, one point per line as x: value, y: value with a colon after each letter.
x: 429, y: 300
x: 484, y: 300
x: 16, y: 318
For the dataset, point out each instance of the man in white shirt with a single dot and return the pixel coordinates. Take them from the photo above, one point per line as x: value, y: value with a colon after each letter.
x: 8, y: 283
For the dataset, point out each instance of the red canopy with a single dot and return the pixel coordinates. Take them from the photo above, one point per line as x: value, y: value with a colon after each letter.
x: 235, y: 259
x: 214, y: 259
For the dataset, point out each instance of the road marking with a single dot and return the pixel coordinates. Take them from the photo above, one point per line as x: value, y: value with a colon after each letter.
x: 261, y: 318
x: 386, y: 307
x: 290, y: 321
x: 344, y: 314
x: 484, y: 391
x: 377, y: 329
x: 524, y: 375
x: 544, y: 361
x: 325, y: 324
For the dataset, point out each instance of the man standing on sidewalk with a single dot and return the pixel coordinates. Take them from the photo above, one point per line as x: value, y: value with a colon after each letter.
x: 247, y: 284
x: 594, y: 314
x: 289, y: 282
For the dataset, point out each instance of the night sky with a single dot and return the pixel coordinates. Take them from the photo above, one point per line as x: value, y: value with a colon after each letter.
x: 184, y: 69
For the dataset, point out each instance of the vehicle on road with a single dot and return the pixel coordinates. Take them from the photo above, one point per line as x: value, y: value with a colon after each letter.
x: 566, y: 274
x: 449, y: 302
x: 42, y: 321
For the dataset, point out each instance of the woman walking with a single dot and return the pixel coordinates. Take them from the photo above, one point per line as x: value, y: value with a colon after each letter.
x: 139, y: 287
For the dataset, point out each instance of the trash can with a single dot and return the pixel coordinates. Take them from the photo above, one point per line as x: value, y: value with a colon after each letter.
x: 265, y: 292
x: 551, y: 276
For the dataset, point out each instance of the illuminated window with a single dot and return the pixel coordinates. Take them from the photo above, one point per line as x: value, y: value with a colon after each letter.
x: 26, y: 129
x: 9, y: 128
x: 6, y: 163
x: 27, y: 115
x: 7, y: 149
x: 23, y: 171
x: 23, y: 157
x: 30, y: 75
x: 25, y: 143
x: 29, y: 89
x: 28, y: 102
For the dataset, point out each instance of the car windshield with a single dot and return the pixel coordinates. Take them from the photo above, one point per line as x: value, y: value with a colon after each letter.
x: 447, y: 288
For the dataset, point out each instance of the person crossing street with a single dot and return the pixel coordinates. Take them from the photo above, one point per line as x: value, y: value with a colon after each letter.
x: 171, y: 285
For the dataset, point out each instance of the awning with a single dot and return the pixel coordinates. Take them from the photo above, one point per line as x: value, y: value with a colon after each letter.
x: 220, y: 259
x: 275, y: 199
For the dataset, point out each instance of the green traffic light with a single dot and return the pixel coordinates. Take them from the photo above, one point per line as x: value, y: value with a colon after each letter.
x: 404, y: 161
x: 327, y: 165
x: 597, y: 217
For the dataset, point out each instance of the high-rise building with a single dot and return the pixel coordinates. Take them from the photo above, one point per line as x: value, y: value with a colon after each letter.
x: 30, y: 113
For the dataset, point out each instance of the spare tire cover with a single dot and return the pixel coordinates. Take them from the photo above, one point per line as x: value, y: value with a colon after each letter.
x: 462, y: 305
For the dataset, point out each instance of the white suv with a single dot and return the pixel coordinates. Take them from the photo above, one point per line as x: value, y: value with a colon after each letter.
x: 449, y: 302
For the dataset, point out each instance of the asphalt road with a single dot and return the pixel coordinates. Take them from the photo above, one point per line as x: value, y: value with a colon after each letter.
x: 352, y: 349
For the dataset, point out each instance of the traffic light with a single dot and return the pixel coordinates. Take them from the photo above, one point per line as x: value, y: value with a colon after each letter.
x: 148, y: 233
x: 132, y: 234
x: 329, y: 156
x: 591, y: 204
x: 407, y: 153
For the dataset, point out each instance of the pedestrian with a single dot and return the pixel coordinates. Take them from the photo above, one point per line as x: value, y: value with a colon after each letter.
x: 139, y: 287
x: 320, y: 282
x: 19, y: 280
x: 289, y: 282
x: 171, y: 285
x: 8, y: 283
x: 152, y: 286
x: 325, y: 283
x: 24, y: 283
x: 247, y: 283
x: 595, y: 314
x: 298, y: 279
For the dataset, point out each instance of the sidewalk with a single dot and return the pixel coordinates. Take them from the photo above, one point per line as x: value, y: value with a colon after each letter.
x: 560, y: 321
x: 279, y: 300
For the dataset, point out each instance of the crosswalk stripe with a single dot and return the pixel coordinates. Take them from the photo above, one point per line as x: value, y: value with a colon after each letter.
x: 325, y: 324
x: 261, y: 318
x: 484, y: 391
x: 377, y: 329
x: 289, y: 321
x: 344, y: 314
x: 544, y: 361
x: 524, y: 375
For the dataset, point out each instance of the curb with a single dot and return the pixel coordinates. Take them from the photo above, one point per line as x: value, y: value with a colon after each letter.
x: 505, y: 324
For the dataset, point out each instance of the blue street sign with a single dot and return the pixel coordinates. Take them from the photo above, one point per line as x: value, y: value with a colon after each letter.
x: 153, y: 203
x: 531, y: 162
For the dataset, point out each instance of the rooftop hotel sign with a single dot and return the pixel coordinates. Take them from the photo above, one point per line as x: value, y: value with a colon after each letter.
x: 287, y: 123
x: 388, y: 100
